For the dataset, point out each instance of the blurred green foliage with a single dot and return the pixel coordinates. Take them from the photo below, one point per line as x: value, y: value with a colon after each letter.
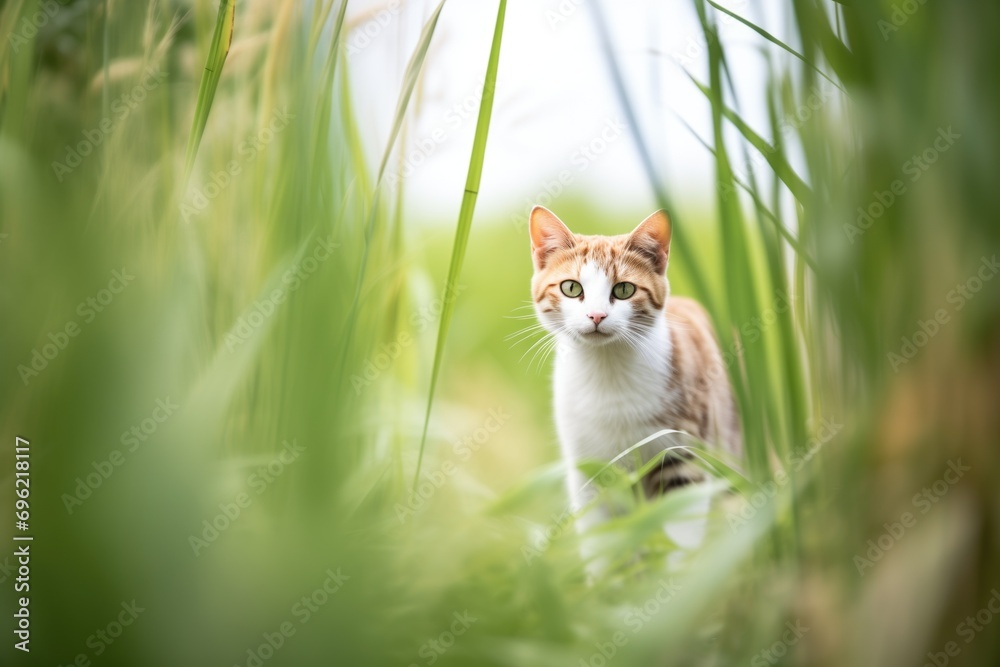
x: 270, y: 519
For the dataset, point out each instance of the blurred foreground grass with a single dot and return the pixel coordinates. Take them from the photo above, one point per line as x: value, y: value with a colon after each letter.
x: 268, y: 518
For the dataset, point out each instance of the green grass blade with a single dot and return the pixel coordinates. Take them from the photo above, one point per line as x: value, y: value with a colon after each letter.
x: 8, y: 20
x: 737, y: 260
x: 465, y: 216
x: 410, y: 78
x: 774, y: 158
x: 774, y: 40
x: 106, y: 67
x: 789, y: 238
x: 679, y: 236
x: 321, y: 127
x: 815, y: 29
x: 221, y: 40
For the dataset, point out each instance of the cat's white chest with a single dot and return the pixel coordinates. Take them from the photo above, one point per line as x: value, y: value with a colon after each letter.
x: 605, y: 403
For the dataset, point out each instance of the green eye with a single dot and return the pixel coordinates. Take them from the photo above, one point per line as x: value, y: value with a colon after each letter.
x: 571, y: 288
x: 623, y: 290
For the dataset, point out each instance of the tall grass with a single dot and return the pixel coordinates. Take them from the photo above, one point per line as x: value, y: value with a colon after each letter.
x: 469, y: 197
x: 282, y: 296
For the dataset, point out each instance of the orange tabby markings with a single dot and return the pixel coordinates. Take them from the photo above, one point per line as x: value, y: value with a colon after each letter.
x: 627, y: 368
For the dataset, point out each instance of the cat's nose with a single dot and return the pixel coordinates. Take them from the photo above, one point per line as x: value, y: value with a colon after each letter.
x: 597, y: 317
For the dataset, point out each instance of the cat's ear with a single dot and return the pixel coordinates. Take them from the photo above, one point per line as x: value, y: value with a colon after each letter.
x: 651, y: 239
x: 548, y: 234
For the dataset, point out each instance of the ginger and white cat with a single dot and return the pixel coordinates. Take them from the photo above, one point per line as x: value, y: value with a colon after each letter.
x: 631, y: 359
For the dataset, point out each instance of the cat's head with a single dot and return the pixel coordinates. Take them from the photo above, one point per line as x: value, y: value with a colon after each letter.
x: 597, y: 290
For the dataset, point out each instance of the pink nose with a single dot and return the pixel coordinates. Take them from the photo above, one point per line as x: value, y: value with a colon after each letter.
x: 597, y: 317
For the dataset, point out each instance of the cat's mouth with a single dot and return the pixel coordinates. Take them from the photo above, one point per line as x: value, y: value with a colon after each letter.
x: 596, y: 336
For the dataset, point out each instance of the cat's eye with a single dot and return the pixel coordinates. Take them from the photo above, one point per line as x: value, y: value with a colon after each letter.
x: 571, y: 288
x: 623, y: 290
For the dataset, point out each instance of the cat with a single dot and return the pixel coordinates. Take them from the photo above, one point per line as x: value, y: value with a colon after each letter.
x: 631, y: 360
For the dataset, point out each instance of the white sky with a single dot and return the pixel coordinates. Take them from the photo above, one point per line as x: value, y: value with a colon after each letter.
x: 554, y: 97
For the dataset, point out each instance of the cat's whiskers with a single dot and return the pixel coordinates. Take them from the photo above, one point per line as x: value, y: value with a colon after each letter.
x: 547, y: 344
x: 525, y: 332
x: 549, y: 348
x: 632, y: 341
x: 540, y: 342
x: 542, y: 353
x: 526, y: 338
x: 522, y: 316
x: 638, y: 342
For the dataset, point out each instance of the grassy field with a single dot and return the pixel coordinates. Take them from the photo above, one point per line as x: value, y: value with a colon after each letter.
x: 222, y: 332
